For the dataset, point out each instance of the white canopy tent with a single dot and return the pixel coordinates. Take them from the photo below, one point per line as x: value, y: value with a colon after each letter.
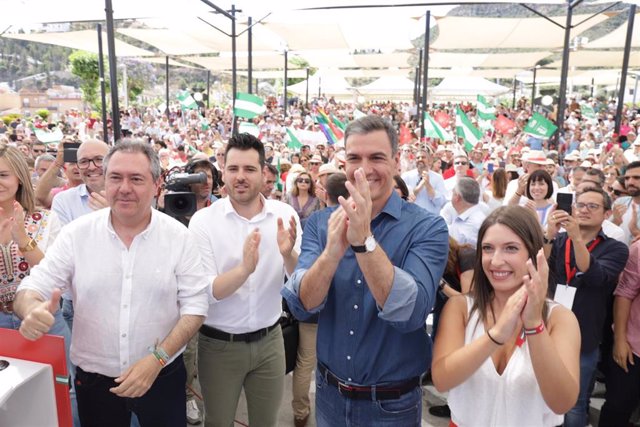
x: 393, y: 88
x: 466, y: 88
x: 324, y: 83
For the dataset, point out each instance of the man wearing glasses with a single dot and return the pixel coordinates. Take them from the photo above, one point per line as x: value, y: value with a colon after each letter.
x: 460, y: 168
x: 584, y: 264
x: 82, y: 199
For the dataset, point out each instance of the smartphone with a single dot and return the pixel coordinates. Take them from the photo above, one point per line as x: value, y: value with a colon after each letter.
x: 70, y: 154
x: 490, y: 167
x: 564, y: 201
x: 502, y: 165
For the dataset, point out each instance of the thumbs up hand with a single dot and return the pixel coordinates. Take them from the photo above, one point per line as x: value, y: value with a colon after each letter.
x: 40, y: 318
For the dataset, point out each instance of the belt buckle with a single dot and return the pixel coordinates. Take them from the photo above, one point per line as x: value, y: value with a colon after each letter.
x: 345, y: 390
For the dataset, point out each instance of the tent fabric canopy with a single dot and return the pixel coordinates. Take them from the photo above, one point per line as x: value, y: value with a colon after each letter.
x: 617, y: 38
x: 472, y: 33
x: 323, y: 82
x: 595, y: 58
x: 83, y: 40
x: 468, y: 86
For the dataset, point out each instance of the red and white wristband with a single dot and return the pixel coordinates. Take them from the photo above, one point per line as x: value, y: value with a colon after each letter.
x: 534, y: 331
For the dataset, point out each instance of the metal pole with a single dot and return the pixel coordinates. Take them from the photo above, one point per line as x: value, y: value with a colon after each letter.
x: 625, y: 67
x: 166, y: 87
x: 284, y: 83
x: 103, y: 89
x: 415, y: 87
x: 562, y: 96
x: 635, y: 91
x: 208, y: 86
x: 113, y: 72
x: 234, y: 124
x: 425, y: 70
x: 125, y: 86
x: 306, y: 95
x: 533, y: 88
x: 319, y: 87
x: 419, y: 80
x: 593, y: 83
x: 250, y: 58
x: 513, y: 103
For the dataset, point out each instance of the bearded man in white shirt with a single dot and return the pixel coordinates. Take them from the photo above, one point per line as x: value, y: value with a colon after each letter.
x: 140, y: 294
x: 247, y: 251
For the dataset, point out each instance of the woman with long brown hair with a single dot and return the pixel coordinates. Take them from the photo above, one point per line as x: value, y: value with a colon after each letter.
x: 303, y: 197
x: 507, y: 354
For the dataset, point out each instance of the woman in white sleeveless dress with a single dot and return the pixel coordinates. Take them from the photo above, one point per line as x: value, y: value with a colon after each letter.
x: 507, y: 355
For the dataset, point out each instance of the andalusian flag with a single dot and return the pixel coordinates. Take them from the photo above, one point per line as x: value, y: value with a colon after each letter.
x: 248, y: 106
x: 432, y: 129
x: 250, y: 128
x: 186, y: 101
x: 540, y: 127
x: 466, y: 130
x: 294, y: 143
x: 279, y: 186
x: 486, y: 111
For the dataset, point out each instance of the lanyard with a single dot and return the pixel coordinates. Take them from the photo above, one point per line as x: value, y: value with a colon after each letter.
x: 571, y: 272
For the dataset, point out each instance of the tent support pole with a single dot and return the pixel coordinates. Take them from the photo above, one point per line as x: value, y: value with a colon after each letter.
x: 625, y: 68
x: 113, y: 72
x: 425, y: 70
x: 103, y: 89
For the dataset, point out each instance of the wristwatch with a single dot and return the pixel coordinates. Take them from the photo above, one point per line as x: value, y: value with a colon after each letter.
x: 29, y: 247
x: 369, y: 245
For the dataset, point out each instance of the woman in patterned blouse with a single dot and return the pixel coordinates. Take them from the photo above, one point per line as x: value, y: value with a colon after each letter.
x: 25, y: 233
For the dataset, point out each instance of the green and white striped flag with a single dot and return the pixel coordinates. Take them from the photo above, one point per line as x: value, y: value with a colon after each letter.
x: 432, y: 129
x: 248, y: 106
x: 466, y: 130
x: 486, y: 111
x: 250, y: 128
x: 294, y: 143
x: 186, y: 101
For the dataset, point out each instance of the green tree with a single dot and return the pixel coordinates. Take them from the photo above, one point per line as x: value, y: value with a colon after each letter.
x: 84, y: 65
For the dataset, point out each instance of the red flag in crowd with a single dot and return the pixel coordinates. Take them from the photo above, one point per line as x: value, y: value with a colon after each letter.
x: 443, y: 119
x: 405, y: 135
x: 503, y: 124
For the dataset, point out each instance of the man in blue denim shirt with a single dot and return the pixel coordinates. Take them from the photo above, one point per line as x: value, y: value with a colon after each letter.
x: 370, y: 268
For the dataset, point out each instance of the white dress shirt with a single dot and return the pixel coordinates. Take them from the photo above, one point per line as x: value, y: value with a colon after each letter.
x: 431, y: 204
x: 125, y: 300
x: 464, y: 227
x: 221, y: 233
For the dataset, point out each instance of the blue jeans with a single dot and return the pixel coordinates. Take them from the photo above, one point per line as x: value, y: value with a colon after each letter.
x: 578, y: 416
x: 334, y: 410
x: 67, y: 312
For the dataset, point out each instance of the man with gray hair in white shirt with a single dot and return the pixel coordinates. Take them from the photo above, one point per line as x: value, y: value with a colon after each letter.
x: 140, y: 294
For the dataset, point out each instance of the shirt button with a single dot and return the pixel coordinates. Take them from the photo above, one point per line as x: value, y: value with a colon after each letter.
x: 124, y: 335
x: 124, y: 363
x: 355, y: 307
x: 358, y: 281
x: 350, y: 332
x: 348, y: 379
x: 348, y: 357
x: 125, y: 306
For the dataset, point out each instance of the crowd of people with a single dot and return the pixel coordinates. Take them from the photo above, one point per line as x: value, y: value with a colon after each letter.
x: 525, y: 250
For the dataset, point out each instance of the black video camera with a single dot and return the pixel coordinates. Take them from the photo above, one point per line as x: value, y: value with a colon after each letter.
x: 180, y: 201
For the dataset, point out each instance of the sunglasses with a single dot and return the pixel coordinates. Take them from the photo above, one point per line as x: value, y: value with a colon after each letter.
x: 619, y: 193
x: 460, y: 163
x: 303, y: 181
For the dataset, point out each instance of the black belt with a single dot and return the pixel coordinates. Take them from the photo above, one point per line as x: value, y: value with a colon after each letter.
x: 381, y: 392
x: 217, y: 334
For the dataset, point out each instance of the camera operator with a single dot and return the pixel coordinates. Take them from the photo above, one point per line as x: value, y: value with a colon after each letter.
x: 204, y: 197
